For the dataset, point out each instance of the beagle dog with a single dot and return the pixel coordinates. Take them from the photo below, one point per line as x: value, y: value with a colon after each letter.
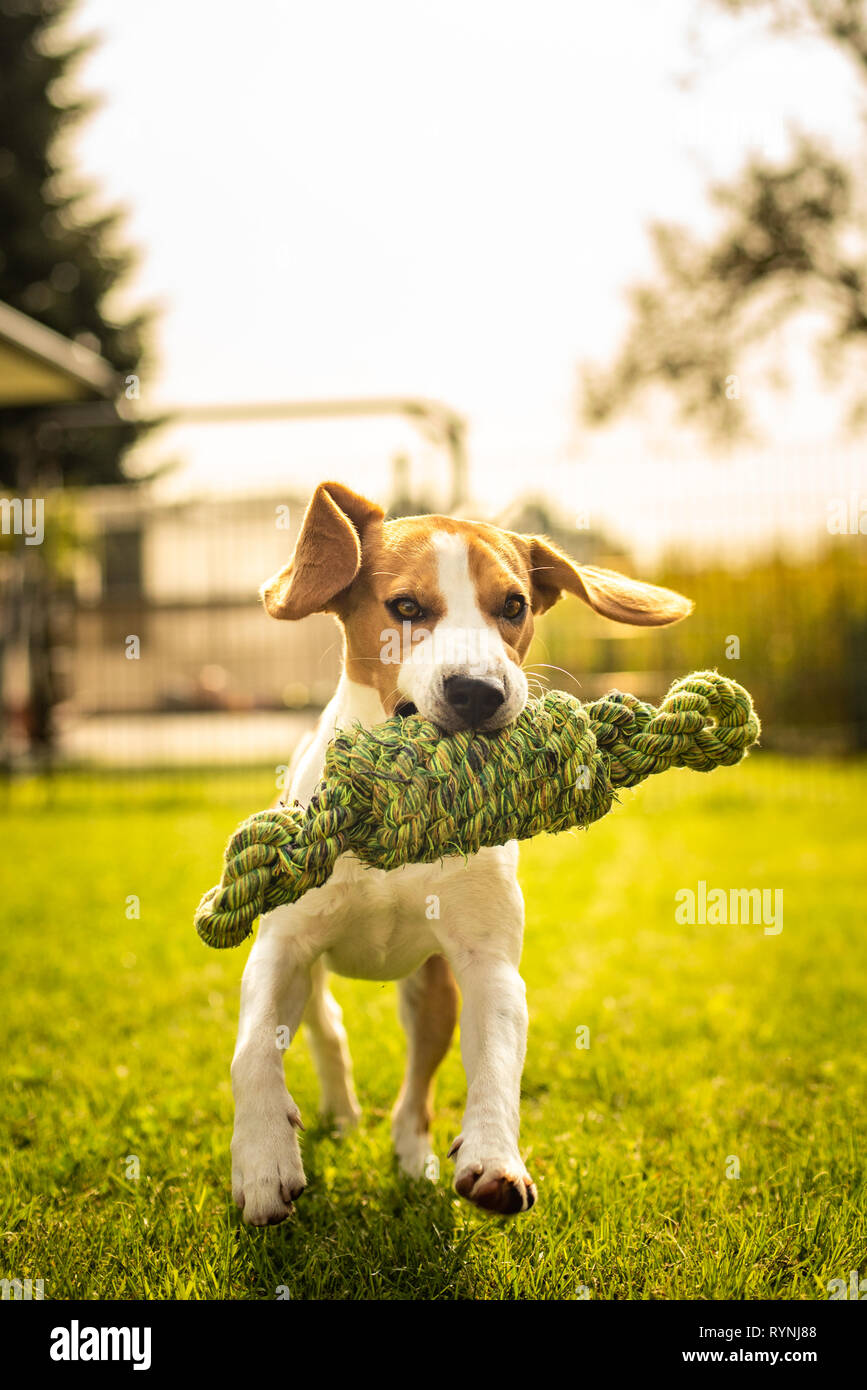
x: 437, y: 616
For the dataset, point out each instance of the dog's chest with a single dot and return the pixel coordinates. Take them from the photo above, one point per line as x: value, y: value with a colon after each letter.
x: 381, y: 925
x: 369, y: 924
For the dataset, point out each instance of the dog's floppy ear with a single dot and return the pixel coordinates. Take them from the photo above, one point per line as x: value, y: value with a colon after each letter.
x: 327, y: 554
x: 611, y: 594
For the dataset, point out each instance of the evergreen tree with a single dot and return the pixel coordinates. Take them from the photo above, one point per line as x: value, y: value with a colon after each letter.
x: 58, y: 261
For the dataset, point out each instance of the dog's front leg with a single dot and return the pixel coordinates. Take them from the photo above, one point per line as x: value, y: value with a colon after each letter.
x: 267, y: 1173
x: 484, y: 956
x: 489, y: 1170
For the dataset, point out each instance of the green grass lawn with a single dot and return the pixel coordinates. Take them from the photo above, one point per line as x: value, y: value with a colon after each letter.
x: 706, y: 1042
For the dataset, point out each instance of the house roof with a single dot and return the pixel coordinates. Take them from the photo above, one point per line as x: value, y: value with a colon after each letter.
x: 40, y: 367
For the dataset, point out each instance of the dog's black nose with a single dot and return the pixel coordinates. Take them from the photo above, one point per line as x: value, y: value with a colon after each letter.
x: 474, y: 700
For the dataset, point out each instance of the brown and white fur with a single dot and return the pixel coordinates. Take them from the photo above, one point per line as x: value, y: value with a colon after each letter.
x: 458, y: 660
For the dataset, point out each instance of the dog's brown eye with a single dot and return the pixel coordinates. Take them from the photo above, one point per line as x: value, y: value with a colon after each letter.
x: 406, y: 608
x: 514, y: 607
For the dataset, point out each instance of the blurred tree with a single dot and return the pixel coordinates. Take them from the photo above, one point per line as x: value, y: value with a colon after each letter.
x: 60, y: 262
x: 791, y: 235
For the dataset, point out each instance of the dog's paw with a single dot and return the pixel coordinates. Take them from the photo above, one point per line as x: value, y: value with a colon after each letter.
x: 497, y: 1185
x: 414, y: 1152
x: 267, y: 1172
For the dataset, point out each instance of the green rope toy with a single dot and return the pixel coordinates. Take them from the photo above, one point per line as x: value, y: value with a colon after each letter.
x: 404, y: 792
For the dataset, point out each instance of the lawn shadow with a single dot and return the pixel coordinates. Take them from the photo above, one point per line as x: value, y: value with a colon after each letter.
x: 361, y: 1230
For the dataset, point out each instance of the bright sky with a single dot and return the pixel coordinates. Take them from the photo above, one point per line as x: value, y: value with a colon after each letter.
x: 447, y: 200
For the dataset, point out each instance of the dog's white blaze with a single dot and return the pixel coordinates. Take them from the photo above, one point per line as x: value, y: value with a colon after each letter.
x: 464, y: 625
x: 455, y: 584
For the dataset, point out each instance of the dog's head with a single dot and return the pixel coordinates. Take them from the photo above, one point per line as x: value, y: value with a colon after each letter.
x: 438, y: 613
